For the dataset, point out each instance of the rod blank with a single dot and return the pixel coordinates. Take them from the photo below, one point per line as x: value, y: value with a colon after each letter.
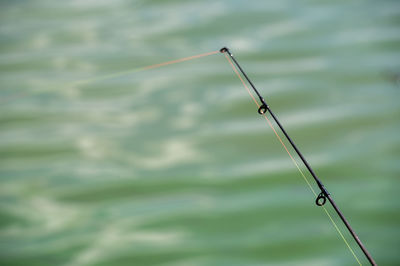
x: 321, y: 199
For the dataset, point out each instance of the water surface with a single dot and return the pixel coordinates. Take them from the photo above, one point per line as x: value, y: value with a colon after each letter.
x: 173, y: 166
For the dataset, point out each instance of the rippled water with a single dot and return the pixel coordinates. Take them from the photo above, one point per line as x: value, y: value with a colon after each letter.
x: 173, y: 166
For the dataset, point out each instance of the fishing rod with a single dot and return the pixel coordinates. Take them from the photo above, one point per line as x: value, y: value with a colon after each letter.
x: 324, y: 194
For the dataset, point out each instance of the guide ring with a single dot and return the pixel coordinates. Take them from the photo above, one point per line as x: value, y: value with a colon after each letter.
x: 321, y: 199
x: 263, y: 109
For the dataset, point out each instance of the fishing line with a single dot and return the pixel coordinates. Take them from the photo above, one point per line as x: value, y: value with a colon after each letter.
x: 292, y: 158
x: 321, y: 198
x: 262, y: 109
x: 117, y: 74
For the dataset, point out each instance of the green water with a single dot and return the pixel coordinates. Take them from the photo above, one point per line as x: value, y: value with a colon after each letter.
x: 173, y: 166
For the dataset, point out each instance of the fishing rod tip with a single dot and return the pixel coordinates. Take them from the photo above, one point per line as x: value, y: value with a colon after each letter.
x: 224, y: 49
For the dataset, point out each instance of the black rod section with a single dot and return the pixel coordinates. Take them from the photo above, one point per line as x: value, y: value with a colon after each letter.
x: 324, y: 193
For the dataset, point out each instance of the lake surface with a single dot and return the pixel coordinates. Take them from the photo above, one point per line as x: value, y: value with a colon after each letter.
x: 102, y: 164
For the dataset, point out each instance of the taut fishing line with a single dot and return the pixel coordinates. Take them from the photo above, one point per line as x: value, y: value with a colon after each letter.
x: 292, y: 158
x: 263, y: 109
x: 115, y: 75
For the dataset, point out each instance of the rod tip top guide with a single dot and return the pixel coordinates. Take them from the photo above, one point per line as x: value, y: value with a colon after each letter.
x: 223, y: 49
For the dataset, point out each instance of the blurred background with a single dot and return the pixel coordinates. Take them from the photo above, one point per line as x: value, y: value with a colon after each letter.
x: 103, y: 165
